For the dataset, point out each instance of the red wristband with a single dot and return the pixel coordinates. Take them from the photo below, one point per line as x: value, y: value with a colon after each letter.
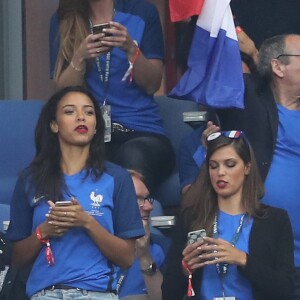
x: 190, y: 291
x: 129, y: 72
x: 49, y: 254
x: 135, y: 57
x: 238, y: 29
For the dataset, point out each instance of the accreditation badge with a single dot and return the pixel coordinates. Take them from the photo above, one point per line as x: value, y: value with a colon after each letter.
x: 106, y: 113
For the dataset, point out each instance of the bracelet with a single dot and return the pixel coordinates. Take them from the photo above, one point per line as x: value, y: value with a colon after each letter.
x: 74, y: 67
x: 136, y: 55
x: 129, y: 72
x: 49, y: 254
x: 238, y: 29
x: 190, y: 290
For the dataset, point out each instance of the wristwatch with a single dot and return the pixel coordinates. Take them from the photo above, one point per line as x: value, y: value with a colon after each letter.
x: 151, y: 270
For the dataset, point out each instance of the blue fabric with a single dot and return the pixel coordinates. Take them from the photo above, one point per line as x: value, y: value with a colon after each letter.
x: 234, y: 285
x: 130, y: 105
x: 191, y: 157
x: 78, y: 261
x: 214, y: 76
x: 134, y: 283
x: 282, y: 183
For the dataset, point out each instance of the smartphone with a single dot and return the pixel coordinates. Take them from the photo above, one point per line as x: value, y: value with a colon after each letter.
x: 63, y: 203
x: 195, y: 236
x: 99, y: 28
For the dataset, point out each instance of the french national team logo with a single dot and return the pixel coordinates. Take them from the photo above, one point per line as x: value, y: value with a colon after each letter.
x: 96, y: 200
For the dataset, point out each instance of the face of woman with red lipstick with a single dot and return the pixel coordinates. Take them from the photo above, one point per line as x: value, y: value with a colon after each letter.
x: 75, y: 122
x: 227, y: 172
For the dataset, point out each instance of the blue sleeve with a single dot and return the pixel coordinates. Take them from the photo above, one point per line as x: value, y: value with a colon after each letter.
x: 126, y: 215
x: 152, y: 44
x: 53, y: 43
x: 191, y: 157
x: 21, y: 213
x: 158, y: 254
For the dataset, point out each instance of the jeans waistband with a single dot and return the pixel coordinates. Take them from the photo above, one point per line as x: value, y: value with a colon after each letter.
x: 67, y: 287
x: 60, y: 287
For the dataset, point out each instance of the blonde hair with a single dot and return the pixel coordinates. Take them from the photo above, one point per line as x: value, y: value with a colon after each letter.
x: 73, y: 29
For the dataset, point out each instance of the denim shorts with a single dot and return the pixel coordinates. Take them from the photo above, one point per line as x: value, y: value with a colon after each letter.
x: 72, y: 294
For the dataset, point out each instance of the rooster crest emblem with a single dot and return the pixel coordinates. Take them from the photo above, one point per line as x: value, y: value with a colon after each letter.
x: 96, y: 199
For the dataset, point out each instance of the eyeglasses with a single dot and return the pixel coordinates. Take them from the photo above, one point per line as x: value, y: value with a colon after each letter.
x: 232, y: 134
x: 142, y: 200
x: 284, y: 54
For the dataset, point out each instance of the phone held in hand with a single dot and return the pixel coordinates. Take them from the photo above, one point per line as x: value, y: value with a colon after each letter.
x: 98, y: 28
x: 195, y: 236
x: 63, y: 203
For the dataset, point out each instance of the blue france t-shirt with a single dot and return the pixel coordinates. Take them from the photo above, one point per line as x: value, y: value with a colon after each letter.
x: 133, y: 283
x: 131, y: 106
x: 282, y: 183
x: 234, y: 284
x: 111, y: 200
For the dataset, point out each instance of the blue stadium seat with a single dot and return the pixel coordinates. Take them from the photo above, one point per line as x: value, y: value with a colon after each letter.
x: 17, y: 122
x: 171, y: 111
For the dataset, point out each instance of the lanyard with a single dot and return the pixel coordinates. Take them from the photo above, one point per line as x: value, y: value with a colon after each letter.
x: 223, y: 268
x: 104, y: 78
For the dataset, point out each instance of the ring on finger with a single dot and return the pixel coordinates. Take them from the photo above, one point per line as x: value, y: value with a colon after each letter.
x: 65, y: 213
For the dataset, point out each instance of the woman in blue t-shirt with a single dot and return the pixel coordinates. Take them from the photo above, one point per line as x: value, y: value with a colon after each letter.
x: 122, y: 66
x: 74, y: 216
x: 248, y: 251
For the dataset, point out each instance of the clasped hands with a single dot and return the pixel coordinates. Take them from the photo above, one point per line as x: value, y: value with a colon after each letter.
x: 97, y: 44
x: 211, y: 251
x: 60, y: 219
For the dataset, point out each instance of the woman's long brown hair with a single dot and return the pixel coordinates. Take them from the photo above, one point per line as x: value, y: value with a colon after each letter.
x: 199, y: 204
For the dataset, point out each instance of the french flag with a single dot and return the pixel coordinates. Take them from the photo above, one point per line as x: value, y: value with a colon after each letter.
x: 214, y: 76
x: 183, y: 9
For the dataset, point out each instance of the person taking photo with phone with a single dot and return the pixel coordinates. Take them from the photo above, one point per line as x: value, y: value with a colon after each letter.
x: 122, y: 66
x: 248, y: 251
x: 76, y: 247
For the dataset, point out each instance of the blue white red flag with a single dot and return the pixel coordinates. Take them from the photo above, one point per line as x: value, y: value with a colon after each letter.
x: 214, y: 76
x: 183, y: 9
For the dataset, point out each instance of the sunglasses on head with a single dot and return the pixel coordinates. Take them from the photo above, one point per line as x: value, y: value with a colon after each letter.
x: 232, y: 134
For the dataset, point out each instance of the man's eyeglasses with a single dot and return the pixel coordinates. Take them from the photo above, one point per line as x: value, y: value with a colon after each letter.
x: 142, y: 200
x: 285, y: 54
x: 232, y: 134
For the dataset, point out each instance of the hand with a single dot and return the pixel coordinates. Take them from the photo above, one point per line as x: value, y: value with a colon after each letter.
x: 90, y: 47
x: 219, y: 251
x: 191, y: 255
x: 247, y: 46
x: 62, y: 218
x: 210, y: 128
x: 142, y: 247
x: 120, y: 38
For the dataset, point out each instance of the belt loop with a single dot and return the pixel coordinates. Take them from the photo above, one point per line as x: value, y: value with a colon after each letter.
x: 84, y: 292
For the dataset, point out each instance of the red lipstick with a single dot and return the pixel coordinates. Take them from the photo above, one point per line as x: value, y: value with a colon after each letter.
x: 81, y: 129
